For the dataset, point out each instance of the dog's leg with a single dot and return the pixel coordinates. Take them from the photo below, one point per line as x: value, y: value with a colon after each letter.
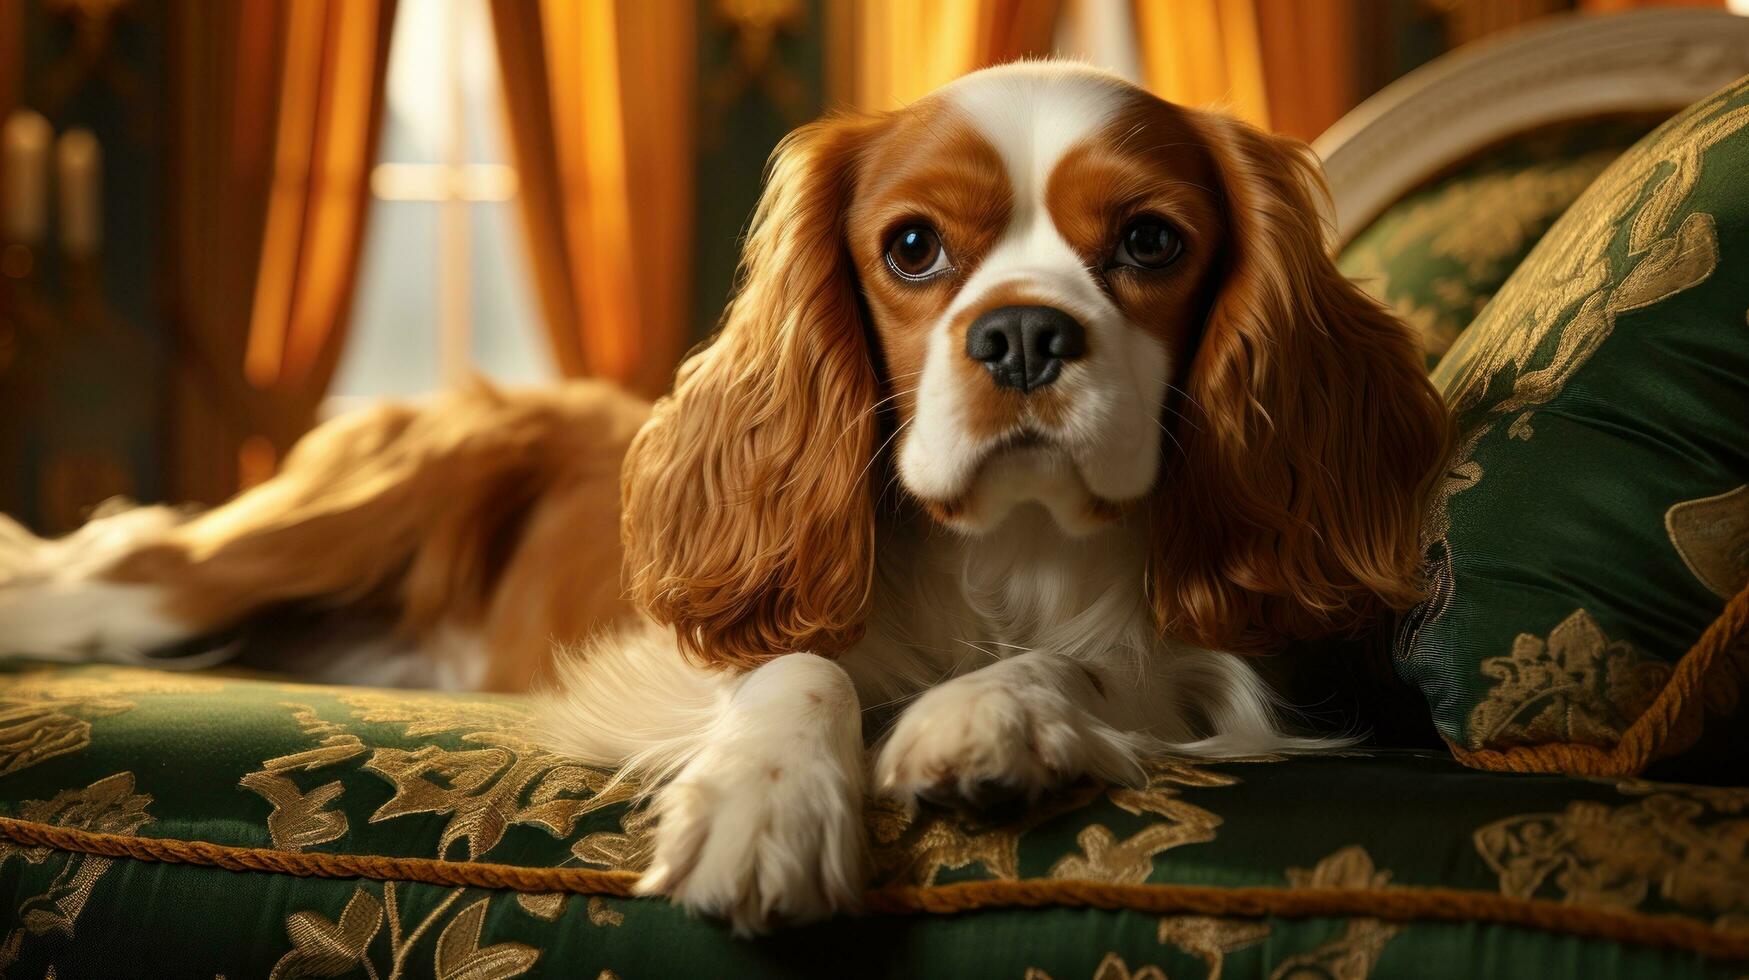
x: 759, y: 819
x: 1039, y: 720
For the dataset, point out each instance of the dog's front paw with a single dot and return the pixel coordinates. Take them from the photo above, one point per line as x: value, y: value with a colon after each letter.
x: 994, y: 734
x: 757, y: 835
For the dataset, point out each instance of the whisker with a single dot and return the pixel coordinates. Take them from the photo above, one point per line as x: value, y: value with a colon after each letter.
x: 883, y: 448
x: 1187, y: 397
x: 1174, y: 439
x: 1187, y: 419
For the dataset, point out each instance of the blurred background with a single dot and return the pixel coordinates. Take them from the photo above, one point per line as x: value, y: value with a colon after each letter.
x: 222, y: 222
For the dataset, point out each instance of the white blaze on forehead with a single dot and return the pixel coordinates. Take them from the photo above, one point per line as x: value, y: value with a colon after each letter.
x: 1033, y: 112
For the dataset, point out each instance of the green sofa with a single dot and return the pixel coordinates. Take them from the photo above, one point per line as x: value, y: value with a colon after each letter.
x: 183, y: 825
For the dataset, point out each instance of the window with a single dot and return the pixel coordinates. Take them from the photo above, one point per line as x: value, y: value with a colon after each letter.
x: 444, y: 283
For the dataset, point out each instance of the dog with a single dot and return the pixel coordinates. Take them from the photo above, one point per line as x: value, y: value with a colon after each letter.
x: 1040, y: 405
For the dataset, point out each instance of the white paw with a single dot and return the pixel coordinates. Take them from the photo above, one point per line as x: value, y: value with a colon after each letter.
x: 755, y: 834
x: 995, y: 733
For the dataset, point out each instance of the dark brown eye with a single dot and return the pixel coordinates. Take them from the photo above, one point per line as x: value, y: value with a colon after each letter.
x: 916, y: 253
x: 1147, y: 243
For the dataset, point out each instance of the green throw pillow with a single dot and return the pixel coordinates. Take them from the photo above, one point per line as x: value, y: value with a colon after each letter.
x: 1589, y: 547
x: 1438, y: 255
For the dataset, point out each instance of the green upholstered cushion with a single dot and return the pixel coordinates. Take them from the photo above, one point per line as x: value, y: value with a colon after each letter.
x: 1595, y: 520
x: 1325, y: 846
x: 1440, y: 253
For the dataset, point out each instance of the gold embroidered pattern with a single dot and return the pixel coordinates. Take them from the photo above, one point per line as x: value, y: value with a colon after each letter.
x: 322, y: 947
x: 1596, y: 854
x: 1112, y: 967
x: 301, y: 819
x: 461, y: 957
x: 47, y: 713
x: 298, y: 820
x: 108, y: 806
x: 1565, y: 298
x: 1132, y: 861
x: 628, y: 849
x: 1210, y: 939
x: 548, y: 906
x: 510, y: 780
x: 1353, y: 954
x: 1712, y: 536
x: 1520, y: 205
x: 1578, y: 686
x: 603, y: 914
x: 915, y: 849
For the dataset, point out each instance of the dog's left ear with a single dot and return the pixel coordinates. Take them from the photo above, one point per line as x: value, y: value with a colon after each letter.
x: 748, y: 509
x: 1295, y: 507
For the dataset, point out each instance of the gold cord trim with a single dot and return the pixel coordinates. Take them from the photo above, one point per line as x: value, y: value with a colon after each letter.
x: 1397, y: 904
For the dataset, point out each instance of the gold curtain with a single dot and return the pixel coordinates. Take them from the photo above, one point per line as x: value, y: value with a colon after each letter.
x: 889, y: 53
x: 276, y: 109
x: 1204, y: 52
x: 1286, y: 65
x: 600, y: 99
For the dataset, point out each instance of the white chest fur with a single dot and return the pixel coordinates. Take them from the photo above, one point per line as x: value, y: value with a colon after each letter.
x: 946, y: 604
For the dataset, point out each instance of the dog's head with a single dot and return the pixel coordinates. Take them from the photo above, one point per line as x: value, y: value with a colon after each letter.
x: 1038, y: 285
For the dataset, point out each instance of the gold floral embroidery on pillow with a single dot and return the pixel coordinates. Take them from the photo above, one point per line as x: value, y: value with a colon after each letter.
x: 1520, y: 205
x: 1350, y: 955
x: 915, y: 849
x: 1682, y: 844
x: 1576, y: 686
x: 1210, y: 939
x: 1353, y: 953
x: 1131, y: 861
x: 107, y: 806
x: 1562, y: 303
x: 322, y: 947
x: 47, y: 713
x: 508, y: 780
x: 1712, y: 536
x: 303, y: 819
x: 1112, y: 967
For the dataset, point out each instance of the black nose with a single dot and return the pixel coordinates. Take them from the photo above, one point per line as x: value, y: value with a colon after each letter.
x: 1025, y: 346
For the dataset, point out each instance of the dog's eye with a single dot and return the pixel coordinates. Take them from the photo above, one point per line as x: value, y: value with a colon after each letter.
x: 1148, y: 243
x: 916, y: 253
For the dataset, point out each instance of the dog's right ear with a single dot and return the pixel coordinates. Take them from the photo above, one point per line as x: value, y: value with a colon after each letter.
x: 749, y: 516
x: 1296, y: 504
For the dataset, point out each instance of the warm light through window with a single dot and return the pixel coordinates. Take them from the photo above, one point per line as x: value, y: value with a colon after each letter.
x: 444, y: 288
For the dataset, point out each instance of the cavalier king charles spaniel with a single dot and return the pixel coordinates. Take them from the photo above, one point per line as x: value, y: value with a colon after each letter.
x: 1039, y: 406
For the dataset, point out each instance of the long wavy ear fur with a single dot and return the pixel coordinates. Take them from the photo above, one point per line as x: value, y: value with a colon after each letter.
x: 1294, y: 509
x: 749, y: 520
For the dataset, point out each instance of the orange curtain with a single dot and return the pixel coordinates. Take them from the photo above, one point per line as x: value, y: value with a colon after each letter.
x: 889, y: 53
x: 1611, y: 6
x: 276, y: 109
x: 600, y: 98
x: 1286, y: 65
x: 1470, y: 20
x: 1204, y: 52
